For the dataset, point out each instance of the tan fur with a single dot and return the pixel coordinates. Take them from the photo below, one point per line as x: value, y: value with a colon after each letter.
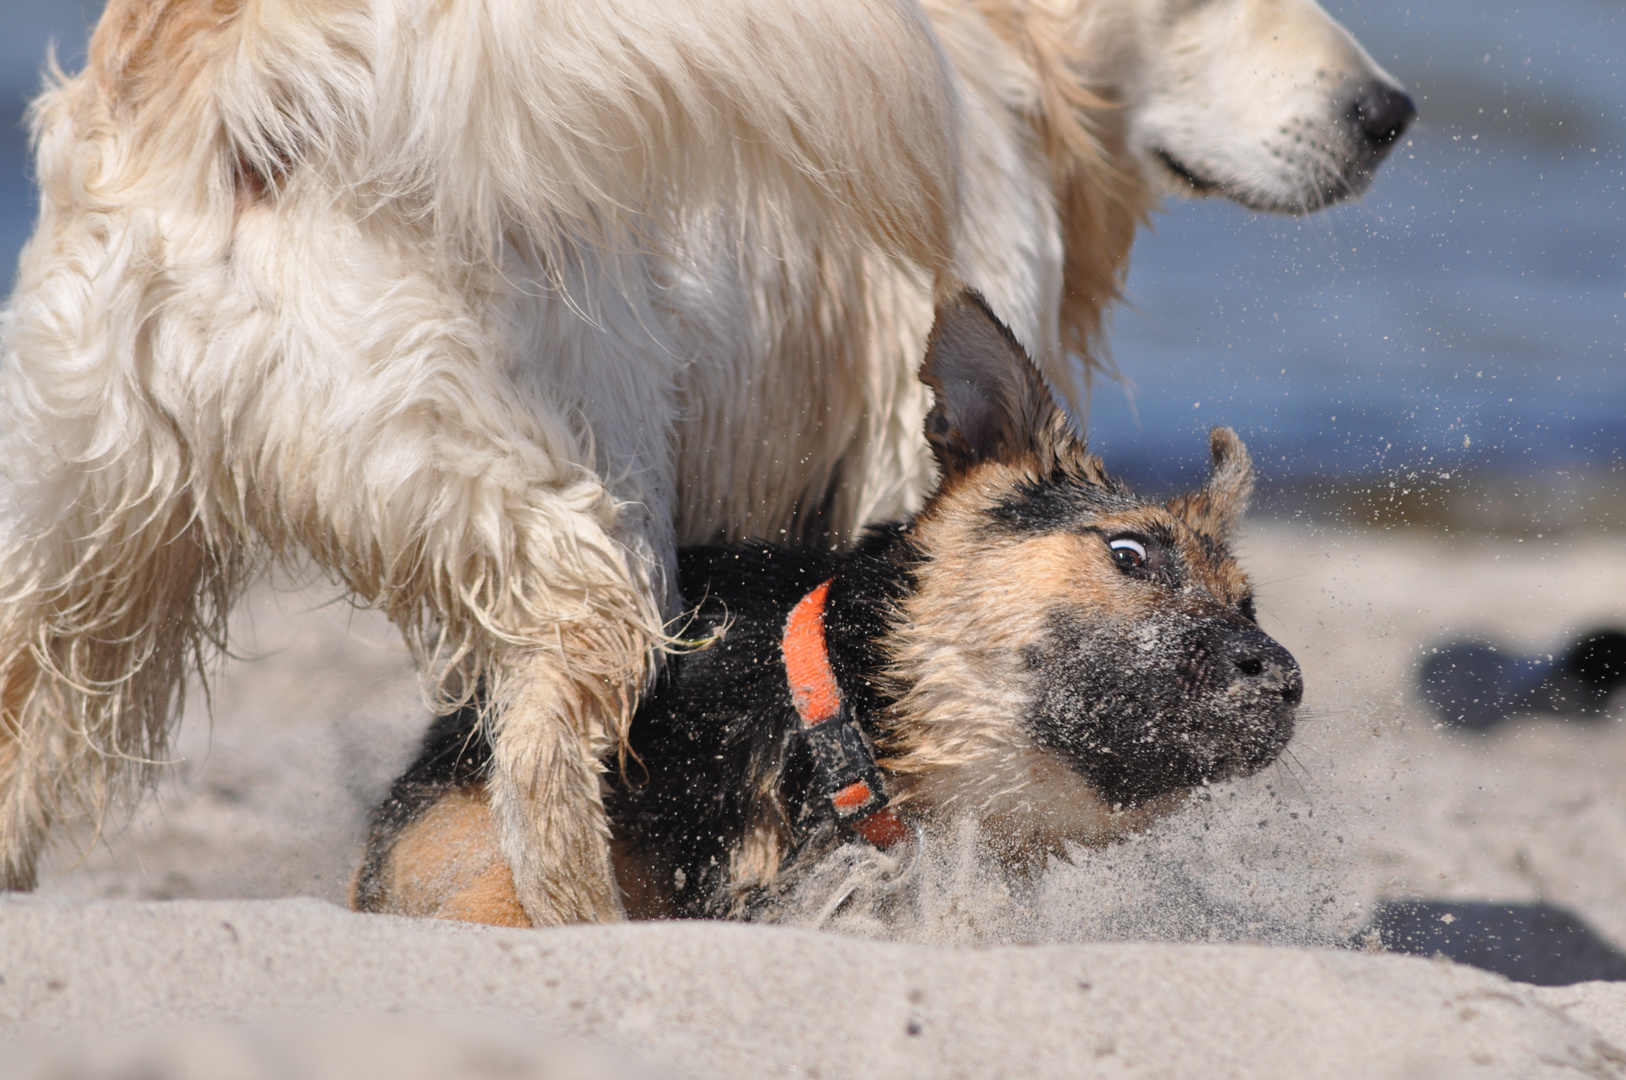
x: 446, y: 865
x: 1219, y: 505
x: 1100, y: 202
x: 757, y: 860
x: 1030, y: 805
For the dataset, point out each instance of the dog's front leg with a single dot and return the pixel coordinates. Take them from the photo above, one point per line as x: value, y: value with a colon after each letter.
x: 545, y: 787
x: 392, y: 442
x: 561, y: 624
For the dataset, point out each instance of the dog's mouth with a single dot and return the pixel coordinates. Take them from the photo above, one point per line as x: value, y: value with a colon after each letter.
x: 1318, y: 187
x: 1198, y: 183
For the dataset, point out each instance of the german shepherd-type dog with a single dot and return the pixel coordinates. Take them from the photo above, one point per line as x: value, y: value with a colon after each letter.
x: 1039, y: 648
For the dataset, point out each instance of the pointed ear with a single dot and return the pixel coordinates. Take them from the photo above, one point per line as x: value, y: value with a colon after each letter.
x: 991, y: 403
x: 1218, y: 507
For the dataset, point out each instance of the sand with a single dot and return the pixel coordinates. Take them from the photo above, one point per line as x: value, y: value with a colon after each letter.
x: 1376, y: 801
x: 742, y: 1001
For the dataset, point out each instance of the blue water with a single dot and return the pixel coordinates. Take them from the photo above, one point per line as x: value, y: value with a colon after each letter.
x: 1465, y: 315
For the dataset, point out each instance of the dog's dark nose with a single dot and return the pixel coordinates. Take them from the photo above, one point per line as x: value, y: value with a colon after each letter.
x: 1264, y: 666
x: 1382, y: 113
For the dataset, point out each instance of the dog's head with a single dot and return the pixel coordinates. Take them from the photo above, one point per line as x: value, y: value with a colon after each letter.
x: 1268, y: 102
x: 1073, y: 656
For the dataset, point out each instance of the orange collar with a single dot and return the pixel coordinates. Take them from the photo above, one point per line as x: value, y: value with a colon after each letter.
x: 847, y: 773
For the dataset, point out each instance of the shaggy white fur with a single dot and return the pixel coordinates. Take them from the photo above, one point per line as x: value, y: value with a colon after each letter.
x: 485, y: 305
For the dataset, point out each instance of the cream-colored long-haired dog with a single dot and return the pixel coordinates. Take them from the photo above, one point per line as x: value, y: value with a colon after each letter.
x: 485, y: 305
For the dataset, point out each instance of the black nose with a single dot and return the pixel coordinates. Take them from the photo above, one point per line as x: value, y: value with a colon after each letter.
x: 1382, y: 113
x: 1264, y: 665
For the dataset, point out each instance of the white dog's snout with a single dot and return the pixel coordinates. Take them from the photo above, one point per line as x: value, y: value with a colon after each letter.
x: 1272, y: 104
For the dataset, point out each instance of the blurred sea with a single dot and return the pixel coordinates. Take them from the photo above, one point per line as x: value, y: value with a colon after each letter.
x: 1463, y: 320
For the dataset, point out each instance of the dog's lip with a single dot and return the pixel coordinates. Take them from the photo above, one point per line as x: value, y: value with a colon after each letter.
x: 1355, y: 179
x: 1195, y: 180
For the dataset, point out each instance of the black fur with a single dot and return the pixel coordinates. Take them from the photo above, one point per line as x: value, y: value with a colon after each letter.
x: 720, y: 740
x: 1035, y: 507
x: 1136, y: 738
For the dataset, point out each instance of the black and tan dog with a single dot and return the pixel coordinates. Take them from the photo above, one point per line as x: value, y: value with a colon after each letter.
x: 1039, y: 648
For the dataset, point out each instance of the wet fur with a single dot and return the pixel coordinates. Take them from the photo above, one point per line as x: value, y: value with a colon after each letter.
x: 1000, y: 661
x: 486, y: 307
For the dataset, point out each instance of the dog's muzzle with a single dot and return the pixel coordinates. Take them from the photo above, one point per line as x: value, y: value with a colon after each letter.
x: 1213, y: 698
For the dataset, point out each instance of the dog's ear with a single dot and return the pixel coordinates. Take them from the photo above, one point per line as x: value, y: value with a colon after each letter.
x: 991, y: 402
x: 1217, y: 507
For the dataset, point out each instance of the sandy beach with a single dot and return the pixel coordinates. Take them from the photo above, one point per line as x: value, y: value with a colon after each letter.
x: 1207, y: 944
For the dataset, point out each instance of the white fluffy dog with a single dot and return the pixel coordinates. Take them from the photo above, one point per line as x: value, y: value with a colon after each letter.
x: 486, y: 305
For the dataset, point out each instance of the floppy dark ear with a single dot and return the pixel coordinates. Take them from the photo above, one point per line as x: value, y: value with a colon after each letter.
x: 1217, y: 508
x: 992, y: 404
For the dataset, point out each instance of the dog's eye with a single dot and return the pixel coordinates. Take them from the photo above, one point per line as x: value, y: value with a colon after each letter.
x: 1127, y: 552
x: 1247, y: 609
